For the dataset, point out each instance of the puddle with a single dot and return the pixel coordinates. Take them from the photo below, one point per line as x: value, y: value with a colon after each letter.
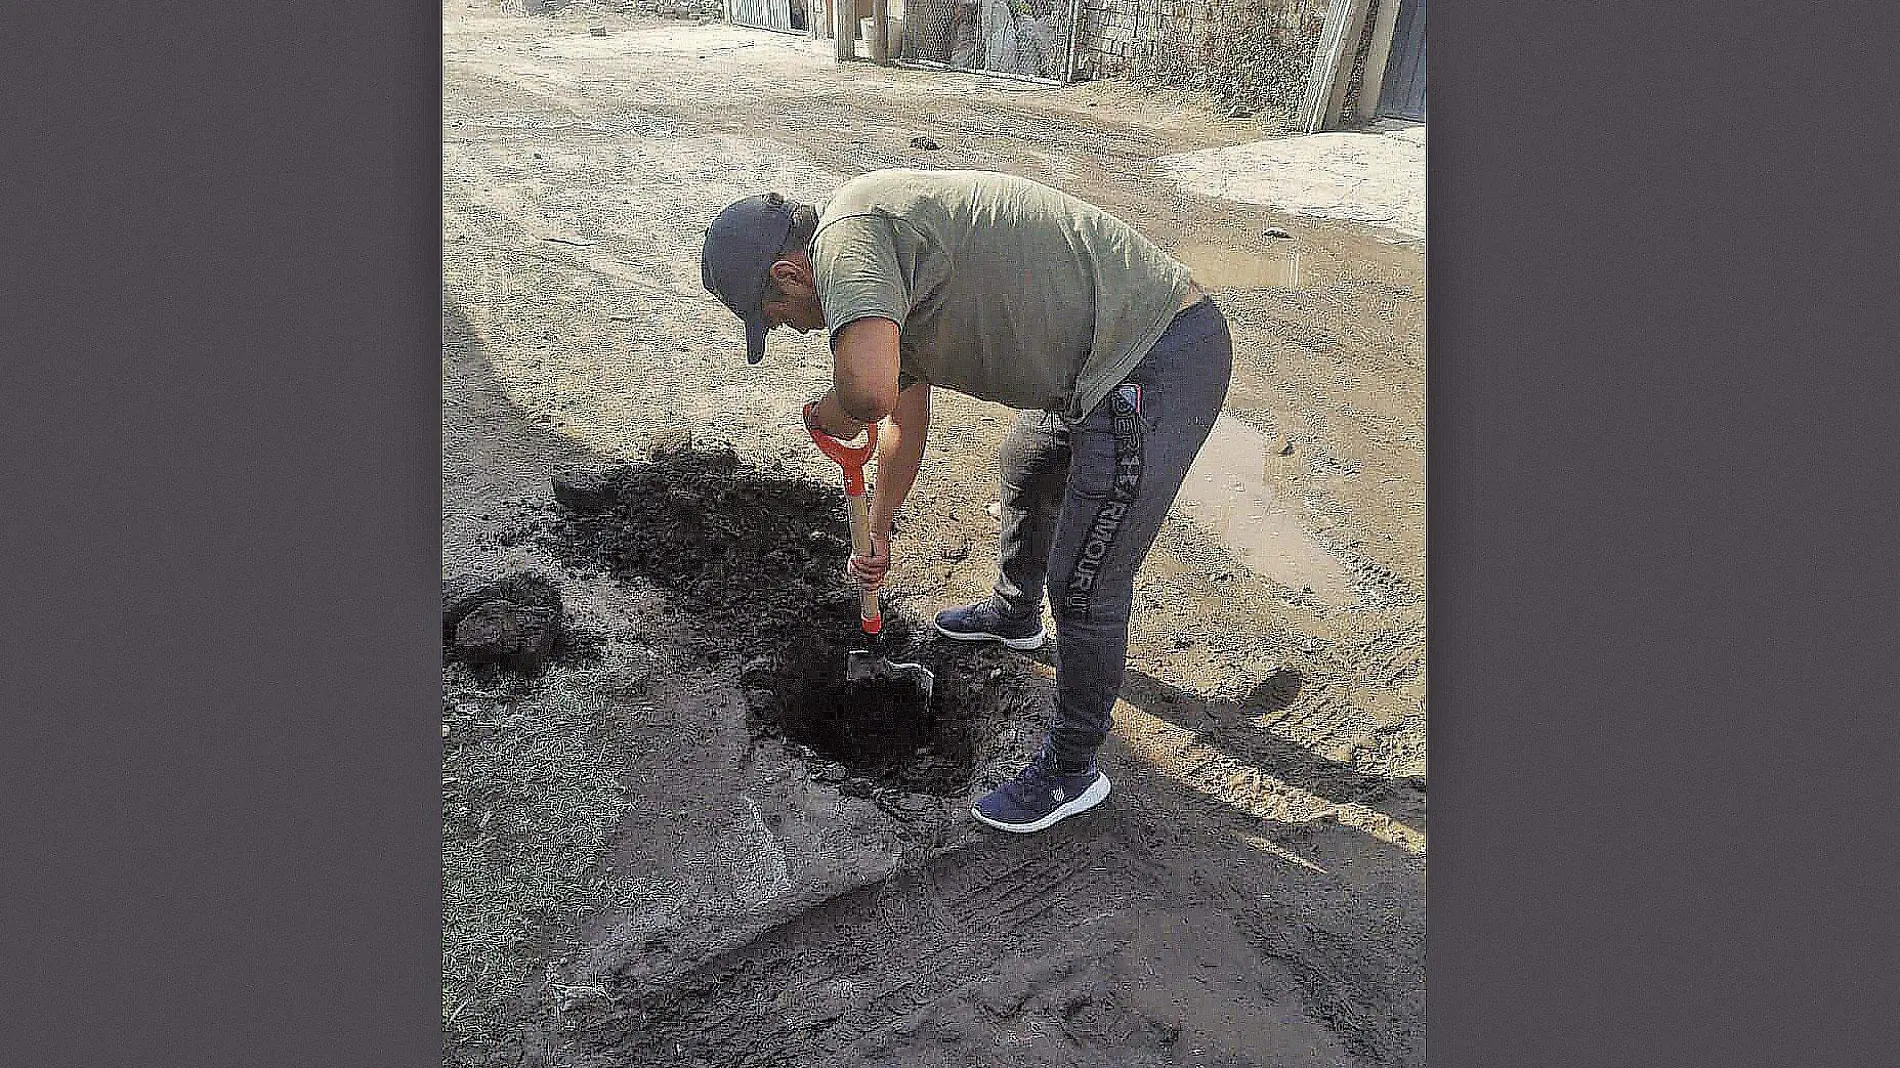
x: 1232, y: 493
x: 1220, y: 267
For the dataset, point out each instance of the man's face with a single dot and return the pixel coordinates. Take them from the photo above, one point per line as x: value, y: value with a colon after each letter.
x: 796, y: 302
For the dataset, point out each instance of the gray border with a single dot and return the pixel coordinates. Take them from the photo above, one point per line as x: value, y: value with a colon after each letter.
x: 219, y: 835
x: 1663, y: 602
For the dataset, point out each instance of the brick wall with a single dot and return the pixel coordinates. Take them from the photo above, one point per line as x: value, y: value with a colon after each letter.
x: 1255, y: 53
x: 679, y: 9
x: 1118, y: 35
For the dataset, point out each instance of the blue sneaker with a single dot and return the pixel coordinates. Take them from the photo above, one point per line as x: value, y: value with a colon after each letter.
x: 1040, y: 797
x: 983, y: 622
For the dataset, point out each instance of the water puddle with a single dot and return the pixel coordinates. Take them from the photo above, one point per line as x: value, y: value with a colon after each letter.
x: 1220, y: 267
x: 1232, y: 493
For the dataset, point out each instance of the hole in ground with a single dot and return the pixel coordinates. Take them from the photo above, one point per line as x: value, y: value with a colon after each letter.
x: 880, y: 729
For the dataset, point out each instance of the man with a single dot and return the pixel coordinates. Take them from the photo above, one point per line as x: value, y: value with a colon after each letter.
x: 1009, y: 291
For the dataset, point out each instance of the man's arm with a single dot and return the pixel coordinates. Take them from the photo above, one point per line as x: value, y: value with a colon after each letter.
x: 900, y: 452
x: 864, y: 390
x: 864, y: 363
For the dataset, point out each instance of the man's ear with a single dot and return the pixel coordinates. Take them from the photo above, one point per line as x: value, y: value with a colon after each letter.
x: 793, y: 271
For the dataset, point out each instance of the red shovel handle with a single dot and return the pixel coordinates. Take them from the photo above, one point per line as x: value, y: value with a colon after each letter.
x: 850, y: 457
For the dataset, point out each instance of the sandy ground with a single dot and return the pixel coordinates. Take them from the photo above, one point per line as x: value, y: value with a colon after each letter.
x: 648, y: 862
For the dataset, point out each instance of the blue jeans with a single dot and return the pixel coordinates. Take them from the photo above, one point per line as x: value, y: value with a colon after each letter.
x: 1082, y: 502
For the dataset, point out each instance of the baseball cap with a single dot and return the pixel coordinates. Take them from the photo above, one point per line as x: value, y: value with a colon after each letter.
x: 741, y: 245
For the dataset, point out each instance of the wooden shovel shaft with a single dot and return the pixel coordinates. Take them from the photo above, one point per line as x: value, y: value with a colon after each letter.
x: 851, y: 459
x: 868, y: 613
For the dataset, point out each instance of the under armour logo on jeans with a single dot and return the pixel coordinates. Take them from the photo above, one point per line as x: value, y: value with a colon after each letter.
x: 1125, y: 485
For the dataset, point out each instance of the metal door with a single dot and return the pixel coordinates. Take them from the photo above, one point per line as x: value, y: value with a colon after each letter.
x: 1402, y: 94
x: 764, y: 14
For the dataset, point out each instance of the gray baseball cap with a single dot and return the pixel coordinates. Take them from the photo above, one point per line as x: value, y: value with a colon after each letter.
x: 741, y: 245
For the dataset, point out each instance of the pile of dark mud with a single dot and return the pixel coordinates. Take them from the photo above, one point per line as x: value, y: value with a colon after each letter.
x: 752, y: 555
x: 753, y: 560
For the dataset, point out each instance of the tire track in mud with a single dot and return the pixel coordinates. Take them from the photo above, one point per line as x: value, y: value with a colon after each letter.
x: 1335, y: 905
x: 823, y: 982
x: 1377, y: 1012
x: 835, y: 984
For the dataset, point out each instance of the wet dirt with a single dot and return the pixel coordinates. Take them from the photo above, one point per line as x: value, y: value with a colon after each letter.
x: 1002, y: 954
x: 758, y: 556
x: 1234, y: 490
x: 525, y: 627
x: 697, y: 846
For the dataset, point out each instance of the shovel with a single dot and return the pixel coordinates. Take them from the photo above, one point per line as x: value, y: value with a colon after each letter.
x: 865, y: 664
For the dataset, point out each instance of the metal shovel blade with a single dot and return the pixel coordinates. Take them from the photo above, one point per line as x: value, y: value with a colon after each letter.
x: 863, y: 665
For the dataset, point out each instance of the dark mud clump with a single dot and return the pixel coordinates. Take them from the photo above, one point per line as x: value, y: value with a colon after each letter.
x: 514, y: 624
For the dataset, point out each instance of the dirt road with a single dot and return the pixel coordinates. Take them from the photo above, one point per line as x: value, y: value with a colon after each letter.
x: 668, y: 849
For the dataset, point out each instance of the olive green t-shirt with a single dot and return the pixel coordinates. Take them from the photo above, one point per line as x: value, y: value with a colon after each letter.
x: 1002, y: 288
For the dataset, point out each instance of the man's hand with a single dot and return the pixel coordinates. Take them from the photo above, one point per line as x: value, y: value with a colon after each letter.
x: 829, y: 417
x: 870, y: 570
